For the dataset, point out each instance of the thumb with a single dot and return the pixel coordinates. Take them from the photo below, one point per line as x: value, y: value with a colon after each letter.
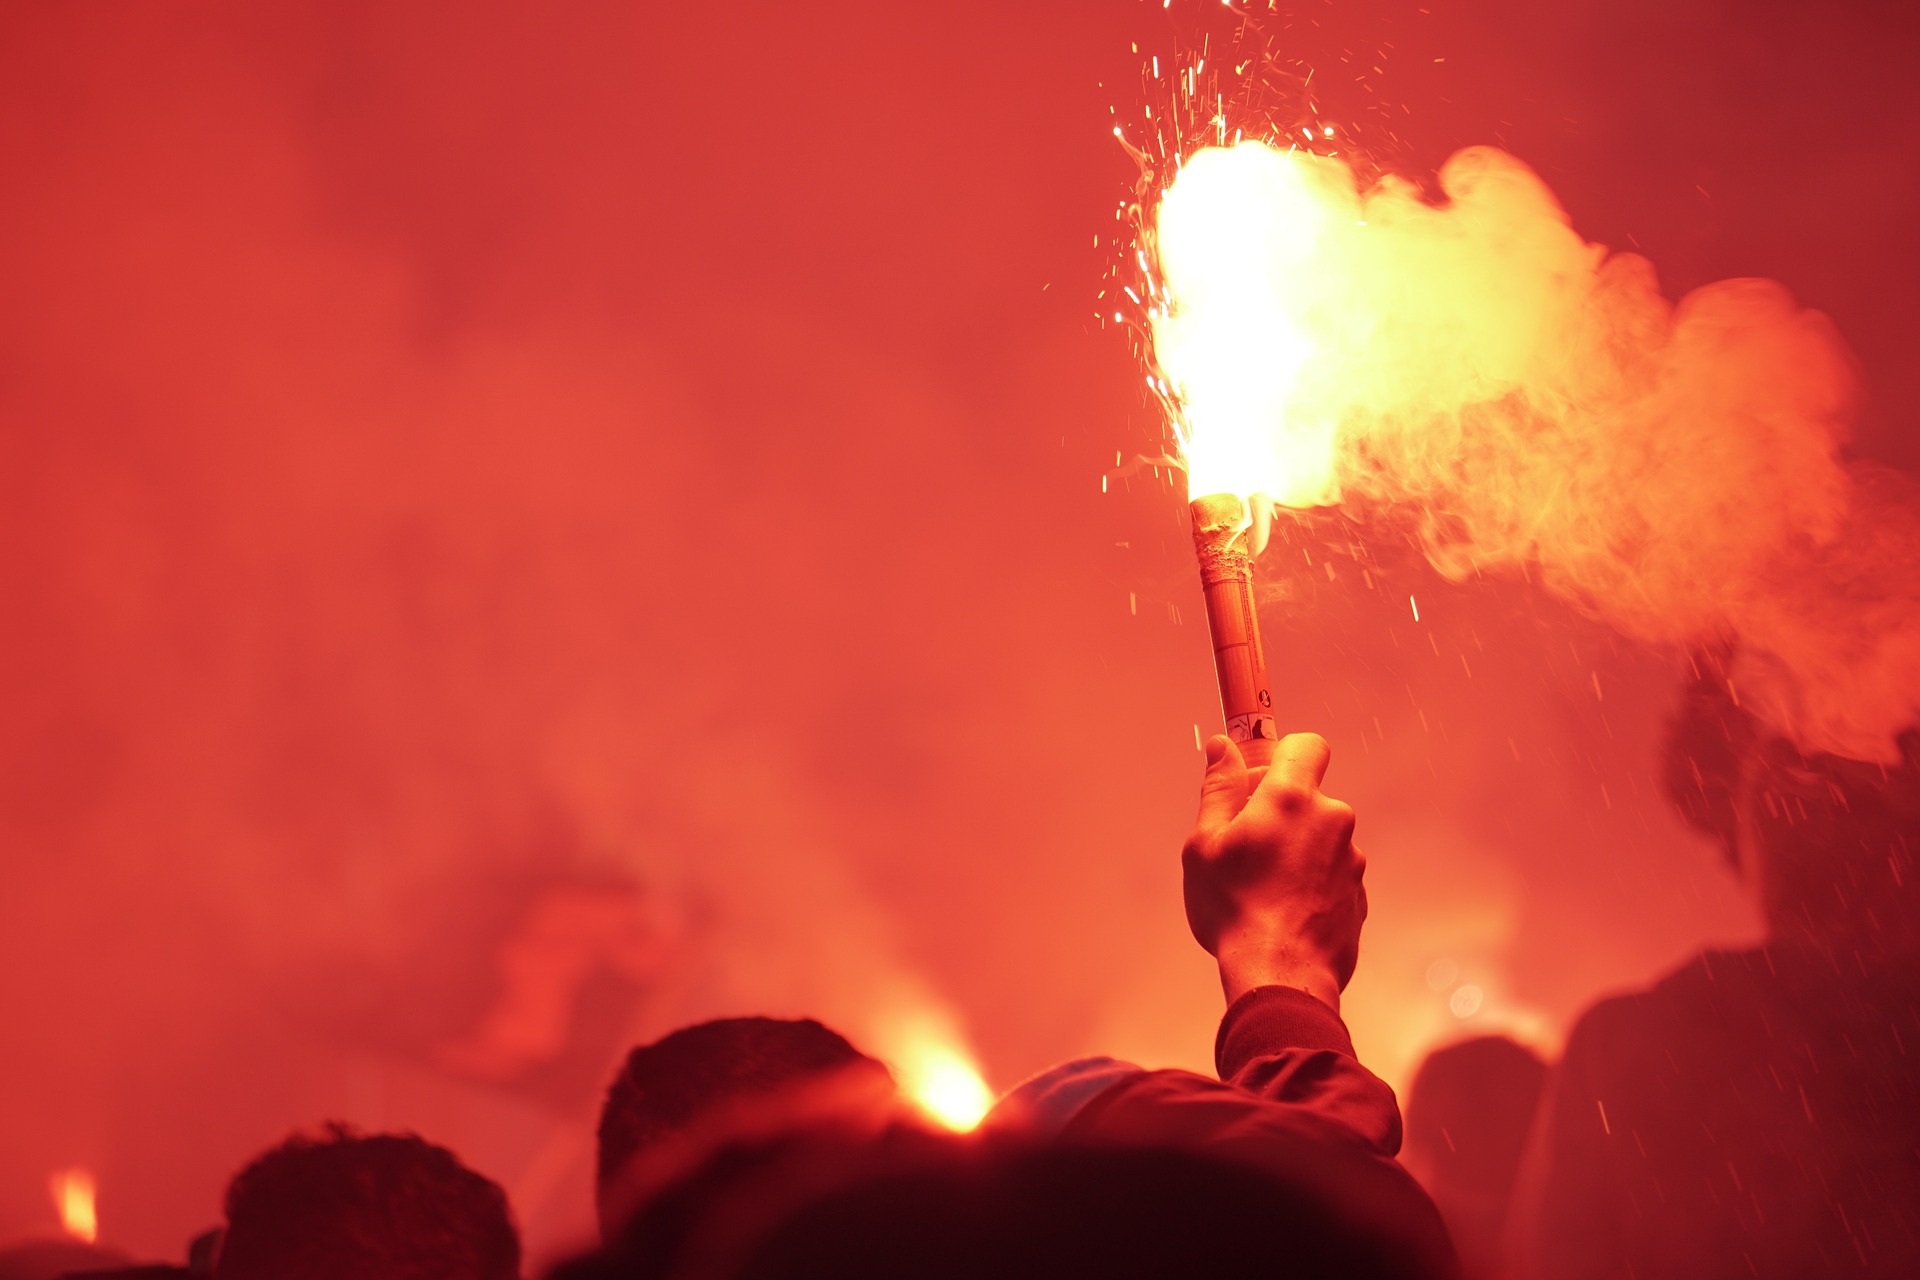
x: 1223, y: 792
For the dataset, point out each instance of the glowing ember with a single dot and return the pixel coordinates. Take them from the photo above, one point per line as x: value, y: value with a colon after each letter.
x: 946, y: 1086
x: 73, y: 1197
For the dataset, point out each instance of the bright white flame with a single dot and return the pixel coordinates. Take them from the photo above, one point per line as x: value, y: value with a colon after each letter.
x: 926, y: 1049
x: 946, y: 1086
x: 1241, y: 235
x: 73, y: 1197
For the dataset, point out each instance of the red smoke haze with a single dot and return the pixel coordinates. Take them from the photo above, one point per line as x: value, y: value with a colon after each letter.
x: 526, y: 526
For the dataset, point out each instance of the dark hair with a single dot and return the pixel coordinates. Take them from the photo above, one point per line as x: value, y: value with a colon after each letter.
x: 1062, y: 1211
x: 933, y: 1207
x: 1707, y: 742
x: 1470, y: 1109
x: 669, y: 1085
x: 1833, y: 838
x: 387, y: 1206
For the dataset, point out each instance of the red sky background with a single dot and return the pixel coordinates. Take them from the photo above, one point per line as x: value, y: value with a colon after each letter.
x: 529, y: 525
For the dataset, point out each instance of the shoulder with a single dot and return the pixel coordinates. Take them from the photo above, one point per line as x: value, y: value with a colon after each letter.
x: 1318, y: 1158
x: 1626, y: 1029
x: 1706, y: 978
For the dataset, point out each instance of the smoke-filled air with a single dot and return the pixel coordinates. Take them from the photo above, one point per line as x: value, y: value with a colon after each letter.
x: 528, y: 528
x: 1470, y: 365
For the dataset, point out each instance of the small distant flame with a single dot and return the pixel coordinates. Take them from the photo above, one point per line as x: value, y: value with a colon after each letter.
x: 946, y: 1086
x: 73, y: 1196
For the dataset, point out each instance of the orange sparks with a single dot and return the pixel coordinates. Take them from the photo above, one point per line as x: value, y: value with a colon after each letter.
x: 73, y: 1198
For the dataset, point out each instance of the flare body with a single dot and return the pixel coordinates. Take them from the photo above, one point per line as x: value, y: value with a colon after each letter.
x: 1222, y: 533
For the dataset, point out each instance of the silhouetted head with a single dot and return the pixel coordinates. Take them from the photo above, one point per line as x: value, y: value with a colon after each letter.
x: 1828, y: 844
x: 1469, y: 1113
x: 1052, y: 1212
x: 1470, y: 1110
x: 699, y: 1074
x: 347, y: 1206
x: 933, y: 1207
x: 51, y: 1259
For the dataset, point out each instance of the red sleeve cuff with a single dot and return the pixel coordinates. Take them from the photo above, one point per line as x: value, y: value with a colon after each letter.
x: 1269, y: 1018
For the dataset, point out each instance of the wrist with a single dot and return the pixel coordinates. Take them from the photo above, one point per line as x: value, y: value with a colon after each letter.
x: 1249, y: 962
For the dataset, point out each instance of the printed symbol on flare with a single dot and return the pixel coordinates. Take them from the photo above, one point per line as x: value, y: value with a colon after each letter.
x: 1266, y: 699
x: 1248, y: 728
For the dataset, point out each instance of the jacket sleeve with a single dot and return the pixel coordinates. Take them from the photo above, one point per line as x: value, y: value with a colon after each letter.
x: 1283, y: 1045
x: 1294, y: 1104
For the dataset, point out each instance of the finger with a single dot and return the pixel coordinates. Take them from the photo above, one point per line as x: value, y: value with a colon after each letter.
x: 1223, y: 792
x: 1299, y: 762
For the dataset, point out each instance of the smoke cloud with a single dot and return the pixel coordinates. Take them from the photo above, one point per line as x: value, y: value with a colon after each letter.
x: 528, y: 525
x: 1531, y: 401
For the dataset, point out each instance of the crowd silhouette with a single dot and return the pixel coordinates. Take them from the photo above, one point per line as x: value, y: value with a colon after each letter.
x: 1753, y: 1114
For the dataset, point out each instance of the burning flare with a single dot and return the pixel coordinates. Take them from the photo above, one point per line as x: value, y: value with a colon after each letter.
x: 1473, y: 368
x: 944, y: 1084
x: 1240, y: 235
x: 73, y: 1198
x: 927, y: 1052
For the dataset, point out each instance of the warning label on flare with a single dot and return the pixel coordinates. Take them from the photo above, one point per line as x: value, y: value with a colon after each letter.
x: 1247, y: 728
